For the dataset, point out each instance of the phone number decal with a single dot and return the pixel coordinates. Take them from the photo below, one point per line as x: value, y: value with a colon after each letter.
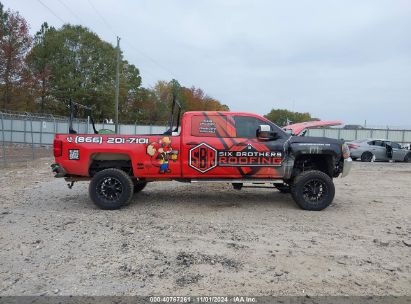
x: 129, y: 140
x: 110, y: 140
x: 86, y: 139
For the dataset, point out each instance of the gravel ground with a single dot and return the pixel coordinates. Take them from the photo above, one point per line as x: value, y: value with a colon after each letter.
x: 182, y: 239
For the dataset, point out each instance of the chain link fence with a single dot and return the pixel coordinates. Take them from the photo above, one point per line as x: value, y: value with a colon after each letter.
x: 28, y: 136
x: 400, y: 136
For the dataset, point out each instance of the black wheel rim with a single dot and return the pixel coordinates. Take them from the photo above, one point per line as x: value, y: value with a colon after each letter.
x: 314, y: 191
x: 110, y: 188
x: 368, y: 157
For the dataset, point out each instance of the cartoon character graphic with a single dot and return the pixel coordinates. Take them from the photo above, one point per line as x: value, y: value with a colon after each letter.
x: 162, y: 153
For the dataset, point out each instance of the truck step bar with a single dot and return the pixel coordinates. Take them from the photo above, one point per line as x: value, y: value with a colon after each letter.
x: 242, y: 181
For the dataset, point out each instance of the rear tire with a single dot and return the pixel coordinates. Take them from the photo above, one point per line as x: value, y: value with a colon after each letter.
x: 313, y: 190
x: 111, y: 189
x: 366, y: 157
x: 139, y: 186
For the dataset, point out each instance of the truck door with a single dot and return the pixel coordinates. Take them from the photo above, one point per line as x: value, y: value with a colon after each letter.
x: 258, y: 158
x: 226, y: 146
x: 205, y: 135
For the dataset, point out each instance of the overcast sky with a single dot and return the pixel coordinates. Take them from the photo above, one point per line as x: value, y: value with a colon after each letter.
x: 348, y: 60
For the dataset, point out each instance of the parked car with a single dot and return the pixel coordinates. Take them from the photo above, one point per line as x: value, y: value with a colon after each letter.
x: 378, y: 150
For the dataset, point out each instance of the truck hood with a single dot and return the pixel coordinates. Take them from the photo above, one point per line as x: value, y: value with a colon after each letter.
x: 298, y: 128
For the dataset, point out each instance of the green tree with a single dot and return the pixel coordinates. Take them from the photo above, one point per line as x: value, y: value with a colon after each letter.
x: 282, y: 117
x: 130, y: 82
x: 15, y: 42
x: 39, y: 61
x: 81, y: 67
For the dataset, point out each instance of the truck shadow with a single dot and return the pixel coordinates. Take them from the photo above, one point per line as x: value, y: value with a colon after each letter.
x: 189, y: 197
x: 214, y: 198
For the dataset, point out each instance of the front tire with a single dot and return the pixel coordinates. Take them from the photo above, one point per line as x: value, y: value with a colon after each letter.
x: 407, y: 158
x: 283, y: 188
x: 111, y: 189
x: 313, y: 190
x: 367, y: 157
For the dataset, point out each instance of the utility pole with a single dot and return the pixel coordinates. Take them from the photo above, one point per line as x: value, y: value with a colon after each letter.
x: 117, y: 82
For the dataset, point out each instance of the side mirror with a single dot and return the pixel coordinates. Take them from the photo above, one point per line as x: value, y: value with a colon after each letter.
x: 264, y: 133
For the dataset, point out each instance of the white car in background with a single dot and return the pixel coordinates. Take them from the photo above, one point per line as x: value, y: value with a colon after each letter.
x: 368, y: 150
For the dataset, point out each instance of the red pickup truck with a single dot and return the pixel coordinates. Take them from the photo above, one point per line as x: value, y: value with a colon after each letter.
x: 229, y: 147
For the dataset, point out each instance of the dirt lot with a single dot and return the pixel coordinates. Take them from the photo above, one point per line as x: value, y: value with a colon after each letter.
x: 180, y: 239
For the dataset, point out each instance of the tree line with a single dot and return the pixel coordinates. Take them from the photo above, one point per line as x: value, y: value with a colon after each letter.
x: 44, y: 72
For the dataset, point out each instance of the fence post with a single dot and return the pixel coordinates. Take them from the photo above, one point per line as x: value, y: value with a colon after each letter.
x: 31, y: 132
x: 88, y: 122
x: 25, y: 130
x: 3, y: 140
x: 403, y: 137
x: 55, y: 126
x: 372, y: 132
x: 11, y: 127
x: 41, y: 132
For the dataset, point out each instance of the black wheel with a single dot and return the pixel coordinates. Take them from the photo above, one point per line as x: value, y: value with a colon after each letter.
x: 353, y: 158
x: 283, y: 188
x: 313, y: 190
x: 407, y: 158
x: 367, y: 157
x: 111, y: 189
x: 138, y: 186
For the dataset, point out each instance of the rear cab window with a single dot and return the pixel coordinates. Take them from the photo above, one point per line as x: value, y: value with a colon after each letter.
x: 211, y: 126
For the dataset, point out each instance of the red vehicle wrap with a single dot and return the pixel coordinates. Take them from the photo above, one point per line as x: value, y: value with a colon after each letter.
x: 210, y: 146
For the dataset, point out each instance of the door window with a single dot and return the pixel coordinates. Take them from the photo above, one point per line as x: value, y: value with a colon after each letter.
x: 246, y: 126
x: 376, y: 143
